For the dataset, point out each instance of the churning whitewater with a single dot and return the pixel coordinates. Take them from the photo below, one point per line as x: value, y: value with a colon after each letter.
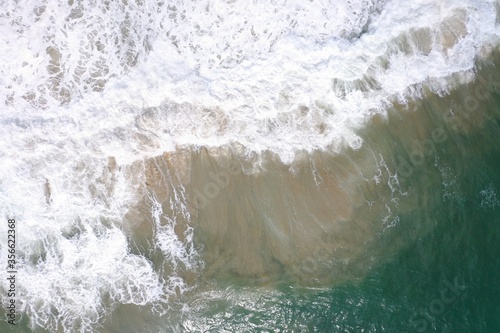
x: 118, y: 115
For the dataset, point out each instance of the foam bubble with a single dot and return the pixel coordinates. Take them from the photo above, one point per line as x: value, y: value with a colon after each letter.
x: 489, y: 197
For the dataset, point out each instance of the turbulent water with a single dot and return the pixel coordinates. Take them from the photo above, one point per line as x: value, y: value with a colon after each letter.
x: 232, y: 166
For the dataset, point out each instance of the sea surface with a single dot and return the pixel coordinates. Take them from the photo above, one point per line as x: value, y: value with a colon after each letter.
x: 250, y: 166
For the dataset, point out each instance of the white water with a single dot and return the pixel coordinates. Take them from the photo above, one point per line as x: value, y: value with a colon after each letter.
x: 84, y: 81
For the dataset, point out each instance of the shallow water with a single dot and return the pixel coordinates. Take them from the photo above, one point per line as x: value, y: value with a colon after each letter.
x: 313, y: 178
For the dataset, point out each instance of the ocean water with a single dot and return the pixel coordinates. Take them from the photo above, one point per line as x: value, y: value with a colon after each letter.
x: 230, y: 166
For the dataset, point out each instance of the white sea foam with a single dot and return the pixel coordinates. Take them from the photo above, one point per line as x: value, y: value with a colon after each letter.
x: 282, y: 75
x: 489, y: 197
x: 83, y: 81
x: 175, y: 250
